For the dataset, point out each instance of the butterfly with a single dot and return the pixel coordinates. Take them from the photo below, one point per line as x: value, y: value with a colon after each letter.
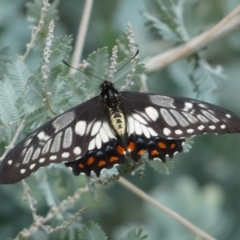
x: 106, y: 129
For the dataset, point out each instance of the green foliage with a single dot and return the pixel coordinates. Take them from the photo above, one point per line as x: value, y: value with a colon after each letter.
x: 134, y: 235
x: 91, y: 232
x: 166, y: 17
x: 3, y: 58
x: 94, y: 232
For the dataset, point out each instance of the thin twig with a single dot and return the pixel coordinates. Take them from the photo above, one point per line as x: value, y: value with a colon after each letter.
x: 12, y: 143
x: 40, y: 222
x: 82, y: 30
x: 37, y: 29
x: 226, y: 26
x: 171, y: 213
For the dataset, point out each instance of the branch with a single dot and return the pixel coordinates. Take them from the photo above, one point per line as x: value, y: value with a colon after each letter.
x: 77, y: 53
x: 12, y: 143
x: 171, y: 213
x: 37, y: 29
x: 39, y: 221
x: 226, y: 26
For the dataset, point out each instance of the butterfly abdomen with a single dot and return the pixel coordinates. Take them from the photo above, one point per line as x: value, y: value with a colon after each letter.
x: 117, y: 121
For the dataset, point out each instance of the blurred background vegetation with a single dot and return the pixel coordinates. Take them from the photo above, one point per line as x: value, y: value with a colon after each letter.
x: 204, y: 185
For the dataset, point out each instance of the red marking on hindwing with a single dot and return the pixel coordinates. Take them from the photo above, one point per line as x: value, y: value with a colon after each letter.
x: 101, y: 163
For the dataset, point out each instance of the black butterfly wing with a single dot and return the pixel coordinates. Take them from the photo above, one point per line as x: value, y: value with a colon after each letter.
x: 67, y: 137
x: 177, y: 117
x: 159, y: 124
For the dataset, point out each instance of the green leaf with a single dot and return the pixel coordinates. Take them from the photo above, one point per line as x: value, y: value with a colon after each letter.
x: 3, y: 58
x: 134, y: 234
x: 97, y: 68
x: 204, y: 77
x: 18, y: 75
x: 161, y: 167
x: 8, y: 96
x: 167, y: 19
x: 91, y: 232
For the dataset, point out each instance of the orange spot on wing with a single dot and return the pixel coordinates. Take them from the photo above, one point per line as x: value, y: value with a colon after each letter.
x: 141, y: 152
x: 121, y: 150
x: 162, y: 145
x: 90, y: 160
x: 154, y: 152
x: 131, y: 146
x: 173, y: 145
x: 80, y: 165
x: 114, y: 159
x: 101, y: 163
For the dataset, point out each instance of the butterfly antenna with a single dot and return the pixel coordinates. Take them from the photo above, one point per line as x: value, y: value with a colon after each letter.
x: 125, y: 64
x: 99, y: 77
x: 82, y: 71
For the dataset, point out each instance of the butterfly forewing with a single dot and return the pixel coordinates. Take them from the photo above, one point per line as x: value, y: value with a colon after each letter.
x: 65, y: 138
x: 175, y: 117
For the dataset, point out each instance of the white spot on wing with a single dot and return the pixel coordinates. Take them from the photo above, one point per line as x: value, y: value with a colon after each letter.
x: 63, y: 120
x: 27, y: 142
x: 145, y: 131
x: 28, y: 155
x: 152, y: 132
x: 223, y: 126
x: 98, y: 141
x: 77, y: 150
x: 22, y: 171
x: 190, y: 130
x: 152, y: 113
x: 178, y: 131
x: 182, y: 121
x: 202, y: 105
x: 108, y: 130
x: 166, y: 131
x: 41, y: 160
x: 53, y: 157
x: 103, y: 135
x: 190, y: 117
x: 80, y: 127
x: 202, y: 118
x: 139, y: 118
x: 168, y: 117
x: 32, y: 166
x: 201, y: 127
x: 162, y: 101
x: 137, y: 128
x: 91, y: 145
x: 65, y: 154
x: 210, y: 116
x: 56, y: 143
x: 228, y: 115
x: 36, y: 153
x: 10, y: 162
x: 96, y: 127
x: 42, y: 136
x: 187, y: 106
x: 68, y: 137
x: 130, y: 125
x: 46, y: 147
x: 212, y: 127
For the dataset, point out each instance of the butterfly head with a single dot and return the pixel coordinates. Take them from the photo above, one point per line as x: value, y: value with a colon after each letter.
x: 109, y: 94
